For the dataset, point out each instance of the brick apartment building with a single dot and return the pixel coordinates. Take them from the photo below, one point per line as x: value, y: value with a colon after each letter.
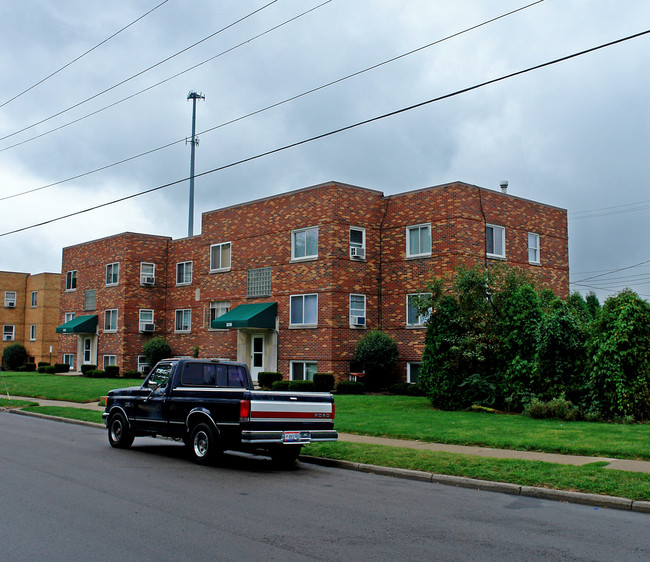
x: 30, y: 313
x: 291, y: 282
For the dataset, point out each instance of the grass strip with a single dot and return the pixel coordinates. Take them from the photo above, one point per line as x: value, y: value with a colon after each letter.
x: 68, y: 412
x: 4, y: 403
x: 591, y: 478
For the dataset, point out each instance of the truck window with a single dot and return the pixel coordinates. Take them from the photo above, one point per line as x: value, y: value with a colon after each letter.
x: 198, y: 374
x: 236, y: 376
x: 160, y: 376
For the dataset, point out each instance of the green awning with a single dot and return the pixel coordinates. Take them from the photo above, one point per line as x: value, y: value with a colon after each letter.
x: 79, y: 325
x: 257, y: 315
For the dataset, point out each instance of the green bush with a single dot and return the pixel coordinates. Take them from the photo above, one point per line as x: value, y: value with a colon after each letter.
x: 47, y: 369
x: 377, y: 353
x: 30, y: 367
x: 112, y: 371
x: 280, y: 385
x: 86, y: 368
x: 43, y: 364
x: 400, y: 389
x: 132, y: 374
x: 61, y: 368
x: 562, y: 409
x: 350, y: 387
x: 324, y: 382
x: 536, y: 409
x: 156, y: 349
x: 302, y: 386
x: 96, y: 374
x: 14, y: 355
x: 266, y: 378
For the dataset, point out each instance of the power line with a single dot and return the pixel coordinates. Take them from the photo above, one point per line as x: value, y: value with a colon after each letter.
x: 83, y: 54
x: 613, y: 270
x: 252, y: 113
x: 340, y: 130
x: 141, y: 72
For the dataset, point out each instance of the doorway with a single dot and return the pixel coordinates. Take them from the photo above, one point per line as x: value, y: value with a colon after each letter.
x: 257, y: 355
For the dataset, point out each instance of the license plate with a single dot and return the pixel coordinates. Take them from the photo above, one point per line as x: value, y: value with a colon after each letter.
x: 296, y: 436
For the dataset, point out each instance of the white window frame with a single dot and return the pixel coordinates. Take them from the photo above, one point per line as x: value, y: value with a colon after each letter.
x: 358, y: 312
x: 409, y: 364
x: 112, y: 274
x: 68, y: 359
x: 184, y: 312
x: 186, y: 278
x: 220, y: 267
x: 293, y: 321
x: 501, y: 232
x: 305, y: 370
x: 303, y: 232
x: 68, y: 316
x: 8, y: 335
x: 10, y: 301
x: 145, y: 275
x: 421, y: 319
x: 222, y: 306
x: 109, y: 360
x: 110, y: 314
x: 34, y: 299
x: 356, y: 248
x: 419, y: 253
x: 535, y: 258
x: 143, y: 363
x: 32, y: 332
x: 142, y: 322
x: 71, y: 280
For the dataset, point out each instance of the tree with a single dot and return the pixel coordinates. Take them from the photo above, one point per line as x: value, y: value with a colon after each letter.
x: 155, y: 349
x: 14, y: 355
x: 377, y: 353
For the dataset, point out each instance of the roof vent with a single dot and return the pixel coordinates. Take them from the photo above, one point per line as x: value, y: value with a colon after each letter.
x: 504, y: 186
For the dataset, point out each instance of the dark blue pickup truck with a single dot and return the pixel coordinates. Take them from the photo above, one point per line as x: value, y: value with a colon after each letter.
x: 212, y: 406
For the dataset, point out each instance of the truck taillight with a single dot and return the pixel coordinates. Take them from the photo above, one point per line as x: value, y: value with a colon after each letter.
x: 244, y: 410
x: 333, y: 408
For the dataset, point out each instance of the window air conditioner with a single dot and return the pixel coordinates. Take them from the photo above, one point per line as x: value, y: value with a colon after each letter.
x: 11, y: 304
x: 358, y: 320
x: 7, y: 338
x: 359, y: 253
x: 148, y: 327
x: 148, y: 280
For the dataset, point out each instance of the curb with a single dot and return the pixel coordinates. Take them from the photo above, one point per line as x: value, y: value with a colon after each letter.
x: 55, y: 418
x: 595, y: 500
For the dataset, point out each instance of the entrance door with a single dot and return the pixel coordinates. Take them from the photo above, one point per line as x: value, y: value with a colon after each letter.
x: 87, y: 351
x: 257, y: 355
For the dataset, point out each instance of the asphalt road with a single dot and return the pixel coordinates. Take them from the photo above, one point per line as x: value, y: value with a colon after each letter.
x: 66, y: 495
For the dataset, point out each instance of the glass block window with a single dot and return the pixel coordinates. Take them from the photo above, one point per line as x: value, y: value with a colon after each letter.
x: 258, y: 282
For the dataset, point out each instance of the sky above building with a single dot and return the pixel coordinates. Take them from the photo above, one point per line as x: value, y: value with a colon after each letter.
x: 94, y: 108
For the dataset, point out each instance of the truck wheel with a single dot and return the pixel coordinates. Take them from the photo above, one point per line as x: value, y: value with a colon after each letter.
x: 285, y: 456
x: 203, y: 446
x: 119, y: 434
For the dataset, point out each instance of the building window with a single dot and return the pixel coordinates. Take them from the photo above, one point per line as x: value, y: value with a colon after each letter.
x: 90, y: 299
x: 8, y: 332
x: 303, y: 370
x: 110, y: 360
x: 357, y: 243
x: 110, y: 320
x: 357, y: 310
x: 32, y: 332
x: 412, y: 370
x: 146, y: 320
x: 304, y: 243
x: 183, y: 320
x: 533, y: 248
x: 10, y: 299
x: 143, y: 365
x: 71, y: 280
x: 258, y: 282
x: 304, y: 310
x: 220, y: 257
x: 68, y: 359
x: 112, y: 273
x: 217, y: 309
x: 414, y: 304
x: 418, y: 241
x: 147, y: 273
x: 34, y: 299
x: 495, y: 241
x: 68, y: 316
x: 184, y: 273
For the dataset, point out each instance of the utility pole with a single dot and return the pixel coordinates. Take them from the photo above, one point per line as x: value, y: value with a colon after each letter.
x: 194, y: 142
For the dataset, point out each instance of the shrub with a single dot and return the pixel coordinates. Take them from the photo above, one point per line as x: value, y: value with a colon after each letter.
x: 43, y: 363
x: 132, y: 374
x: 536, y: 409
x: 266, y: 378
x: 280, y: 385
x: 112, y: 371
x: 324, y: 382
x: 21, y: 369
x: 47, y: 369
x: 30, y: 367
x: 155, y: 349
x: 377, y: 353
x: 415, y: 390
x: 302, y: 386
x: 86, y: 368
x: 96, y: 374
x: 14, y: 355
x: 401, y: 388
x: 562, y: 409
x: 61, y: 368
x: 350, y: 387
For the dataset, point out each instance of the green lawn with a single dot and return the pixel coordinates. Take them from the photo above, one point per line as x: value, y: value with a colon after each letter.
x: 62, y: 387
x: 67, y: 412
x: 410, y: 417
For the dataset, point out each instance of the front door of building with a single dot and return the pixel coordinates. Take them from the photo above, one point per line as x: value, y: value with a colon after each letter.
x: 88, y: 345
x: 257, y: 355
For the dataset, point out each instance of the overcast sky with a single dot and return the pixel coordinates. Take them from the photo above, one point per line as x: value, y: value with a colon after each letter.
x: 575, y: 134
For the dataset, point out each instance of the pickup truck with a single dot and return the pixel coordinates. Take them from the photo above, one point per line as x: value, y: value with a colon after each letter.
x: 212, y: 406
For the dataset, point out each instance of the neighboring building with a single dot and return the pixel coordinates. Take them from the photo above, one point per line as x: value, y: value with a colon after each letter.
x: 30, y: 313
x: 291, y: 282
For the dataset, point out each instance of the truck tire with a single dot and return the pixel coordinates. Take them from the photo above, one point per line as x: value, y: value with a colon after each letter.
x: 203, y: 446
x: 119, y: 434
x: 285, y: 456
